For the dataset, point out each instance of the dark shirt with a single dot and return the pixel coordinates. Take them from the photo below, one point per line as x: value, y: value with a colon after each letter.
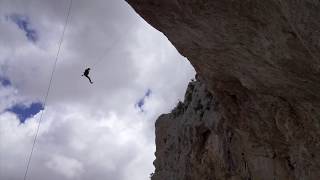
x: 86, y: 72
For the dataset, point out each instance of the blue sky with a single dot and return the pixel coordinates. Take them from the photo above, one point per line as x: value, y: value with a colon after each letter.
x: 21, y: 110
x: 26, y: 111
x: 5, y: 81
x: 89, y: 131
x: 142, y: 100
x: 24, y: 24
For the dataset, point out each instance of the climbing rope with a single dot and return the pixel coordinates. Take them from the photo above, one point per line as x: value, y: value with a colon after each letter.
x: 48, y: 90
x: 113, y: 44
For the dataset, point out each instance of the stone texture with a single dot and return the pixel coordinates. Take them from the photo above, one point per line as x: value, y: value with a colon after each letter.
x: 211, y: 136
x: 260, y: 62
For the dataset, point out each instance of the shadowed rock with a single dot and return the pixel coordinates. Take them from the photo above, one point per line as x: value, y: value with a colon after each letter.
x: 260, y: 115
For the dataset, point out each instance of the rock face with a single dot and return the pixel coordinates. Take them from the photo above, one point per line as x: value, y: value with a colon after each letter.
x: 260, y: 115
x: 213, y: 136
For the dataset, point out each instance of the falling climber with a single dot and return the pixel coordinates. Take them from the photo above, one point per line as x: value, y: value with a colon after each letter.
x: 86, y: 74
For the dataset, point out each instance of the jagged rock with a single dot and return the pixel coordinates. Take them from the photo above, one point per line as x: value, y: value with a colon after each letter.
x: 207, y: 138
x: 260, y: 62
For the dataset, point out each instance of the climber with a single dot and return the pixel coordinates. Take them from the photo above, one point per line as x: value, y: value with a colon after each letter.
x: 86, y: 74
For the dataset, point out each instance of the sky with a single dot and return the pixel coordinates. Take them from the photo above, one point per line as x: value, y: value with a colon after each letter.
x: 103, y: 130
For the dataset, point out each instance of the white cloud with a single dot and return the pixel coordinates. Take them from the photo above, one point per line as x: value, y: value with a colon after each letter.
x: 66, y: 166
x: 88, y: 131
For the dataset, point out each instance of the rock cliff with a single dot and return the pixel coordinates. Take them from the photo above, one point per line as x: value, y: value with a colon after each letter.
x: 254, y: 112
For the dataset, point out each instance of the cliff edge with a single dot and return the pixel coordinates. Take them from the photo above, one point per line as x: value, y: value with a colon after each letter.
x: 254, y: 112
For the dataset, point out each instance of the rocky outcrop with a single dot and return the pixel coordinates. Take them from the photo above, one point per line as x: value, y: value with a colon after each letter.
x: 260, y: 115
x: 219, y: 136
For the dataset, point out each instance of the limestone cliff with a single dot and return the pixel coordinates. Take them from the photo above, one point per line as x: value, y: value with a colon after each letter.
x: 260, y: 115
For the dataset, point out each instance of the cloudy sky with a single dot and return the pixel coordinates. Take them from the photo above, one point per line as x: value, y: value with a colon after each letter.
x: 99, y: 131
